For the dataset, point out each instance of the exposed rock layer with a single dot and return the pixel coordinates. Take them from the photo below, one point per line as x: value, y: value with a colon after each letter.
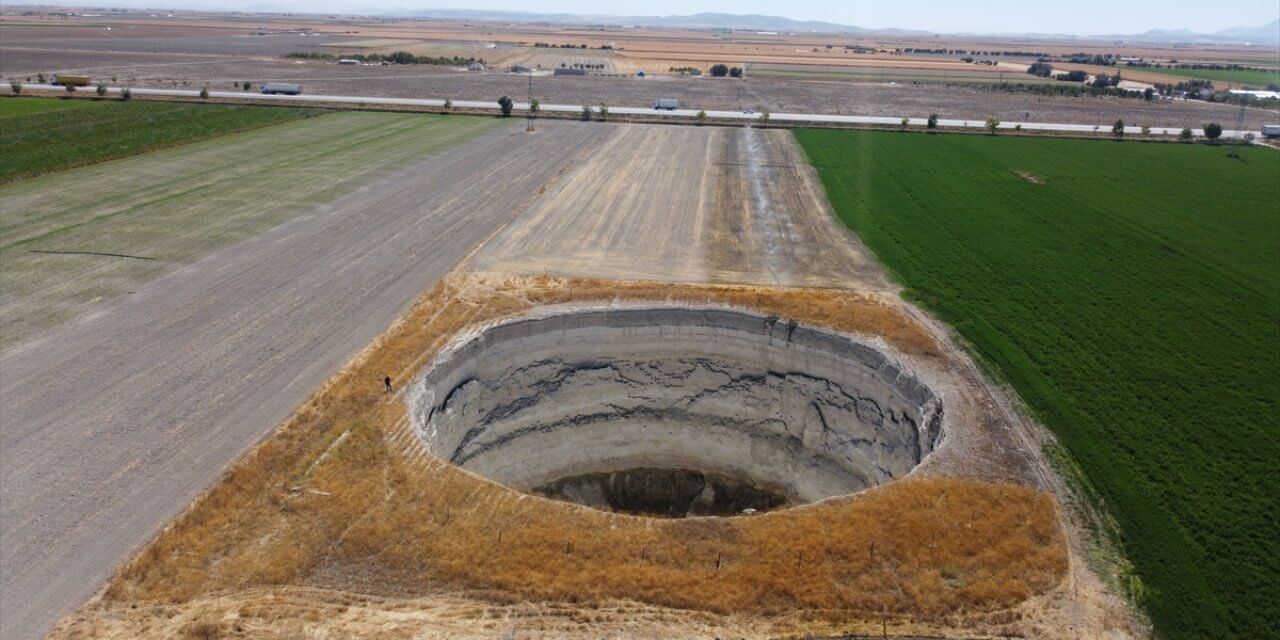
x: 759, y: 402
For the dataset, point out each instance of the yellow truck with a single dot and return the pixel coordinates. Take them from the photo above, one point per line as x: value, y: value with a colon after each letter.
x: 65, y: 80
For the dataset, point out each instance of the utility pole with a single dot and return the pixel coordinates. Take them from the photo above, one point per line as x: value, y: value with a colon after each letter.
x: 529, y: 118
x: 1235, y: 141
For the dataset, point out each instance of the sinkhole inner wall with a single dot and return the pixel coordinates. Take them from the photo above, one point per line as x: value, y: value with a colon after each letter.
x: 674, y: 410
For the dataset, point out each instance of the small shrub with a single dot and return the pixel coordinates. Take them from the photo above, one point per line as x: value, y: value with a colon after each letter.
x: 448, y: 104
x: 586, y: 113
x: 40, y: 78
x: 1117, y: 129
x: 102, y: 90
x: 992, y: 124
x: 1186, y: 135
x: 246, y: 86
x: 71, y: 88
x: 203, y: 630
x: 15, y: 87
x: 126, y: 95
x: 1146, y: 130
x: 204, y: 93
x: 702, y: 116
x: 905, y: 122
x: 932, y: 122
x: 603, y: 110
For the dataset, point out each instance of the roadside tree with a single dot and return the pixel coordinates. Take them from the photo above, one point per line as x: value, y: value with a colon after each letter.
x: 719, y: 70
x: 932, y: 122
x: 15, y: 87
x: 1186, y: 135
x: 1117, y: 129
x: 1213, y: 131
x: 604, y: 111
x: 506, y: 105
x: 993, y: 123
x: 102, y: 90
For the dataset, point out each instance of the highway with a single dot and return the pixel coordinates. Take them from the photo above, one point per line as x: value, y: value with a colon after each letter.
x: 775, y: 118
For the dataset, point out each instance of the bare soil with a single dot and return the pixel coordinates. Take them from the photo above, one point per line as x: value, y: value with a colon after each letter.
x: 114, y: 422
x: 695, y: 205
x: 226, y: 56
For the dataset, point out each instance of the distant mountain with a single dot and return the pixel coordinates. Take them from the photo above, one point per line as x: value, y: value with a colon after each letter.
x: 1267, y: 33
x: 749, y: 22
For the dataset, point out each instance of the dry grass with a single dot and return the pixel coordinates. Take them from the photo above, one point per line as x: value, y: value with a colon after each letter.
x: 332, y: 500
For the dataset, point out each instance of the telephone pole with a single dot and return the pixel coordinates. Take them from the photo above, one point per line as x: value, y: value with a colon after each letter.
x: 529, y: 118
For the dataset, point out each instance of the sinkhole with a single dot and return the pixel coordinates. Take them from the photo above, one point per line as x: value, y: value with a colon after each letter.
x: 673, y: 411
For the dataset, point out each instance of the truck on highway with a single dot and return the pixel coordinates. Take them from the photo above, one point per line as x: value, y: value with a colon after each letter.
x: 1271, y: 130
x: 72, y: 81
x: 272, y: 88
x: 666, y: 103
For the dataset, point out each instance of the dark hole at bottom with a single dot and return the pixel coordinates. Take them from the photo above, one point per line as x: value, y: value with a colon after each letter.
x: 673, y: 493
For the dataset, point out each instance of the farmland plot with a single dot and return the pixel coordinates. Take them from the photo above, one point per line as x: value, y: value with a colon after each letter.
x: 1131, y: 294
x: 687, y: 205
x: 72, y: 239
x: 39, y: 136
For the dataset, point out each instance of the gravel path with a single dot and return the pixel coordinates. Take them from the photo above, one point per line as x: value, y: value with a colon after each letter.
x: 113, y: 423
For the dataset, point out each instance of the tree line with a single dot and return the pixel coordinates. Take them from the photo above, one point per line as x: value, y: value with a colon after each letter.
x: 396, y: 57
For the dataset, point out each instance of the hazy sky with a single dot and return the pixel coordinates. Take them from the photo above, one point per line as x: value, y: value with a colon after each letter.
x: 947, y: 16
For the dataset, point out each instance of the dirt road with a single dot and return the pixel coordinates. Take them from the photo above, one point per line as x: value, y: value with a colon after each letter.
x: 112, y: 423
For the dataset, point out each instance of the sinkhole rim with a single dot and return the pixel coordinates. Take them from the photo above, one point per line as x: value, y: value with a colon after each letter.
x: 876, y: 420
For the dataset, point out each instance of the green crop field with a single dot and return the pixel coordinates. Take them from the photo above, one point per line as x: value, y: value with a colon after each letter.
x: 11, y: 107
x: 1252, y: 78
x: 48, y: 134
x: 1133, y: 300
